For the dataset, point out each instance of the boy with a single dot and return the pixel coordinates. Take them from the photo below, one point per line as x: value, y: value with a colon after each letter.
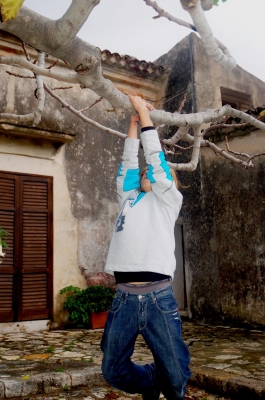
x: 141, y: 257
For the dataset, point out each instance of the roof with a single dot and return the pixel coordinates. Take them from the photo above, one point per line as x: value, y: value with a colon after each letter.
x: 131, y: 64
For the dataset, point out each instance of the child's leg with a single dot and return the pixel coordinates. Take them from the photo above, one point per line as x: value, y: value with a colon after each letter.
x: 118, y: 345
x: 162, y: 333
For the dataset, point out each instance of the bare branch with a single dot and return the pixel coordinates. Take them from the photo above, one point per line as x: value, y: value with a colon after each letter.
x: 250, y: 158
x: 72, y: 21
x: 62, y: 88
x: 256, y: 155
x: 60, y: 76
x: 182, y: 104
x: 220, y: 55
x: 163, y: 13
x: 223, y: 153
x: 35, y: 116
x: 224, y: 125
x: 192, y: 165
x: 40, y: 91
x: 53, y: 64
x: 20, y: 76
x: 235, y: 152
x: 181, y: 133
x: 83, y: 117
x: 195, y: 10
x: 92, y: 105
x: 25, y: 51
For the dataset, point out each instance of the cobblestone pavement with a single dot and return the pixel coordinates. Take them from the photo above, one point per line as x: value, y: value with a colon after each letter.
x: 224, y: 360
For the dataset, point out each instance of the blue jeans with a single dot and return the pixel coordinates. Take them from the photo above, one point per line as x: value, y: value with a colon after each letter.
x: 155, y: 316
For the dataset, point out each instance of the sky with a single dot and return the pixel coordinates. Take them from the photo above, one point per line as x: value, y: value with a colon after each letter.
x: 127, y: 27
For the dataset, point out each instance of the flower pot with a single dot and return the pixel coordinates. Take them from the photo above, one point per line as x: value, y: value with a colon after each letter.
x: 97, y: 320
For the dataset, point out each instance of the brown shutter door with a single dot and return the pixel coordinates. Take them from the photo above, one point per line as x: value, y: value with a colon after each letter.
x: 36, y: 250
x: 8, y: 220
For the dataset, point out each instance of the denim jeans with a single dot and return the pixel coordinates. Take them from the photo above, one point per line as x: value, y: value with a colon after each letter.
x: 155, y: 316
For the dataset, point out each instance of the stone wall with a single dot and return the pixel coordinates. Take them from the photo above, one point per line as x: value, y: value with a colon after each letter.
x: 224, y: 205
x: 82, y: 159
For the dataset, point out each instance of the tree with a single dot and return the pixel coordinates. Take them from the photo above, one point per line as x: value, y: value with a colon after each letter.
x: 58, y: 38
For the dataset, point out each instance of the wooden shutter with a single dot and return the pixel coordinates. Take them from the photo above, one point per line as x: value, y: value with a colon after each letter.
x: 8, y: 220
x: 240, y: 101
x: 36, y: 268
x: 30, y: 260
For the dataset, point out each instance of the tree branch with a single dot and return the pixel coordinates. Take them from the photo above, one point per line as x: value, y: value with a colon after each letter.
x: 34, y: 117
x: 221, y: 55
x: 196, y: 12
x: 83, y: 117
x: 40, y: 92
x: 72, y: 21
x: 163, y: 13
x: 36, y: 69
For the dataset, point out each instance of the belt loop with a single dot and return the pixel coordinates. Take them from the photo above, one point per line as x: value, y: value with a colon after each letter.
x: 153, y: 298
x: 124, y: 297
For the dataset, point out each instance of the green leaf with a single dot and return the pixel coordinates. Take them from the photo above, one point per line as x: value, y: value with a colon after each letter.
x: 10, y: 9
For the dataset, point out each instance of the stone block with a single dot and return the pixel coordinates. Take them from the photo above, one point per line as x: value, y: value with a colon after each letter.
x: 50, y: 382
x: 13, y: 388
x: 87, y: 376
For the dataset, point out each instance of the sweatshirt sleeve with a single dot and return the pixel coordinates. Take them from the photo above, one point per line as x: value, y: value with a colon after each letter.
x: 158, y: 172
x: 128, y: 174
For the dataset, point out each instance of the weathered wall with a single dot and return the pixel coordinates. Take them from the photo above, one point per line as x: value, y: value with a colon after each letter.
x: 84, y: 170
x: 224, y: 205
x: 230, y: 240
x: 85, y: 205
x: 209, y: 77
x: 24, y: 156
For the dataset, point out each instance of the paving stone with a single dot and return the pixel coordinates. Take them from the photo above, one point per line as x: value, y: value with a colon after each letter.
x: 2, y: 389
x: 71, y: 354
x: 226, y: 357
x: 50, y: 382
x: 13, y: 388
x: 9, y: 358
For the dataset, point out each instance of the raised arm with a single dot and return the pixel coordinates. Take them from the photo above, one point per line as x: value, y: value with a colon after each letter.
x: 128, y: 174
x: 162, y: 183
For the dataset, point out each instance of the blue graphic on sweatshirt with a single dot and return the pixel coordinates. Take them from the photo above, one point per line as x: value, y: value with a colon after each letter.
x: 127, y: 205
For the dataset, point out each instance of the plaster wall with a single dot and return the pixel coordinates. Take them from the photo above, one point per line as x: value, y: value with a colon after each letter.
x: 209, y: 77
x: 84, y: 169
x: 234, y: 199
x: 23, y: 156
x: 223, y: 204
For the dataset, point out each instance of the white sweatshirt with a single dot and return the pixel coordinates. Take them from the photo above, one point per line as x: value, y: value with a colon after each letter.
x: 143, y: 237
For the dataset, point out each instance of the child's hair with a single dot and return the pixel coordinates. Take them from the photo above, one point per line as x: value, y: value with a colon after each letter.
x: 172, y: 173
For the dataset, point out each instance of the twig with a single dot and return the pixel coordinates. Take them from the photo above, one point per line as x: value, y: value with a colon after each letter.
x: 19, y: 76
x: 182, y: 104
x: 52, y: 65
x: 62, y: 88
x: 224, y: 125
x: 91, y: 105
x: 25, y: 51
x: 163, y: 13
x: 235, y: 152
x: 82, y: 116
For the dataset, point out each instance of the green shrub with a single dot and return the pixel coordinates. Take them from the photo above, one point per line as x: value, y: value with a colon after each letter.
x: 3, y: 237
x: 80, y: 303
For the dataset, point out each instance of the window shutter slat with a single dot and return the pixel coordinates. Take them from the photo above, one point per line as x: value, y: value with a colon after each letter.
x: 6, y: 297
x: 36, y: 242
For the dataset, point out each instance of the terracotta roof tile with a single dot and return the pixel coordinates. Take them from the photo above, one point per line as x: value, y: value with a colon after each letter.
x: 128, y: 63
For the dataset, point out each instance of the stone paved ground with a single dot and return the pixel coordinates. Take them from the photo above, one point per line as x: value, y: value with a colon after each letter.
x: 224, y: 360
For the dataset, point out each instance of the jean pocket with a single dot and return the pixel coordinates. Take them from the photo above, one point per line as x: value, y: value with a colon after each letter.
x: 116, y: 304
x: 167, y: 304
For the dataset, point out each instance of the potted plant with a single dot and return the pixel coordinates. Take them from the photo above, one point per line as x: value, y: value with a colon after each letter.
x: 3, y: 237
x: 88, y: 305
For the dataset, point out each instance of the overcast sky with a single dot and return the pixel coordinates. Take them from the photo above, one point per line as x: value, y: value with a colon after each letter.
x: 127, y: 27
